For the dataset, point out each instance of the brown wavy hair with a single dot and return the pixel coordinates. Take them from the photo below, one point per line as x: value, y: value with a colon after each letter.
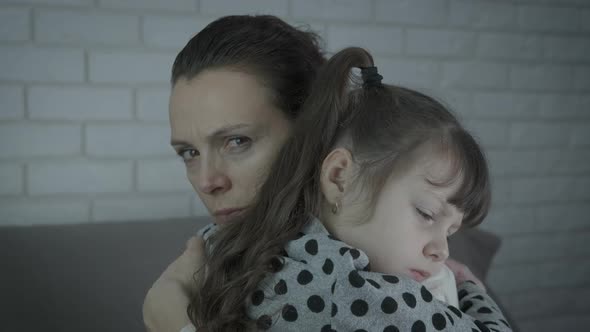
x: 383, y: 124
x: 283, y: 58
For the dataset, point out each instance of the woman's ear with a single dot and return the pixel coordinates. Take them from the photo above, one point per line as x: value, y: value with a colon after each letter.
x: 336, y: 176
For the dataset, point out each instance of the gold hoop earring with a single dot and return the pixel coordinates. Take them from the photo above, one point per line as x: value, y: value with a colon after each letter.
x: 335, y: 208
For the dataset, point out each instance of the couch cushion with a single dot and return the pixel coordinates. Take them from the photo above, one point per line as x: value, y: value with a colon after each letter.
x: 90, y: 277
x: 475, y: 248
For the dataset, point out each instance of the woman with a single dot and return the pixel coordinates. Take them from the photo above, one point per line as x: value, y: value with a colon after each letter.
x: 237, y: 87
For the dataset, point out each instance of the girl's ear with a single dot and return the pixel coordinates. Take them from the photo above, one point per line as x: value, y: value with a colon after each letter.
x: 336, y: 176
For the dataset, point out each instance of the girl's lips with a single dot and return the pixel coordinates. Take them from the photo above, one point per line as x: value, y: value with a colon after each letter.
x: 419, y: 275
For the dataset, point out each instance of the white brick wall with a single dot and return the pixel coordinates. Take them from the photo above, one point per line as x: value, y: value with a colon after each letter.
x: 79, y: 103
x: 232, y: 7
x: 169, y: 5
x: 411, y: 12
x: 481, y: 14
x: 84, y: 131
x: 133, y: 67
x: 349, y: 10
x: 88, y: 26
x: 14, y: 24
x: 12, y: 102
x: 20, y: 139
x: 46, y: 64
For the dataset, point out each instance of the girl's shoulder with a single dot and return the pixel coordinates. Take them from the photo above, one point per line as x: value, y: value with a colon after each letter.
x: 317, y: 247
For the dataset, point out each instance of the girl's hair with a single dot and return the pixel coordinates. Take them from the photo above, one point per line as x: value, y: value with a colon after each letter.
x: 283, y: 58
x: 382, y: 125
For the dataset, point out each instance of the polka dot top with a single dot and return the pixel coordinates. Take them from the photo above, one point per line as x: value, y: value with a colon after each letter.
x: 326, y: 285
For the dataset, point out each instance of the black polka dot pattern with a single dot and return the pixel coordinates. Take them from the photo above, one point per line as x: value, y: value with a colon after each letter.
x: 289, y: 313
x: 264, y: 322
x: 410, y: 300
x: 484, y: 310
x: 426, y: 295
x: 311, y: 247
x: 418, y: 326
x: 466, y: 306
x: 304, y: 277
x: 303, y: 297
x: 359, y: 308
x: 276, y: 264
x: 328, y: 266
x: 315, y: 303
x: 462, y: 294
x: 504, y: 322
x: 456, y: 311
x: 450, y: 318
x: 355, y: 279
x: 281, y: 287
x: 391, y: 279
x: 327, y: 328
x: 388, y: 305
x: 439, y: 322
x: 482, y: 326
x: 373, y: 283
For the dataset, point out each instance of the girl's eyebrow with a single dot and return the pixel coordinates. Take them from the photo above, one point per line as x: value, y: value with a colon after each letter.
x: 223, y: 131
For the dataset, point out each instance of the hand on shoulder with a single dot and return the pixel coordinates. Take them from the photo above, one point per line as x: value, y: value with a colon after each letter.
x: 164, y: 307
x: 463, y: 273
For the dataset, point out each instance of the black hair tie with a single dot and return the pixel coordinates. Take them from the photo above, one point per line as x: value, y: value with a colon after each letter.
x: 371, y: 77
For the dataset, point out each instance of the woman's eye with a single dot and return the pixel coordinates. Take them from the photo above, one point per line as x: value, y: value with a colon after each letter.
x: 238, y: 142
x: 188, y: 154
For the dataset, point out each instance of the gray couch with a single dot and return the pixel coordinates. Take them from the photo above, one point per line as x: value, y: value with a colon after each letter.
x: 93, y: 277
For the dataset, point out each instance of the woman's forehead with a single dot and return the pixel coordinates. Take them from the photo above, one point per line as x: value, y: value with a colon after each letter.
x: 217, y: 99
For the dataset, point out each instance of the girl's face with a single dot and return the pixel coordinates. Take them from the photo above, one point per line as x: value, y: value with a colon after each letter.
x: 407, y: 234
x: 228, y: 132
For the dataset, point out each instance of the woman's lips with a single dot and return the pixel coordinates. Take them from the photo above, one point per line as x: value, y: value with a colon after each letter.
x: 224, y: 215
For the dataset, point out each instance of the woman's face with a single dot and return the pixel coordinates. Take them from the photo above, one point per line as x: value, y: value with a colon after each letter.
x: 228, y: 132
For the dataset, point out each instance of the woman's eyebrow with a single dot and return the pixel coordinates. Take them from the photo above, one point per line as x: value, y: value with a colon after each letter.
x: 223, y: 131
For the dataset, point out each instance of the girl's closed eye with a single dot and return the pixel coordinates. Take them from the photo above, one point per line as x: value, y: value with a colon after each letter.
x: 426, y: 215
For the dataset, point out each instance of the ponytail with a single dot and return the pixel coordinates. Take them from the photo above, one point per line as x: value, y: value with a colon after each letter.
x: 244, y: 251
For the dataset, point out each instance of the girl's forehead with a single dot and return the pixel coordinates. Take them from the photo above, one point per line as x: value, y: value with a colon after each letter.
x: 436, y: 171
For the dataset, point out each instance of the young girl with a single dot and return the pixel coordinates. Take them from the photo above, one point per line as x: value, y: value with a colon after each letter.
x: 355, y: 214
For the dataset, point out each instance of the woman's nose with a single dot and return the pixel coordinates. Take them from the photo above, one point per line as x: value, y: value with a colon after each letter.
x: 213, y: 180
